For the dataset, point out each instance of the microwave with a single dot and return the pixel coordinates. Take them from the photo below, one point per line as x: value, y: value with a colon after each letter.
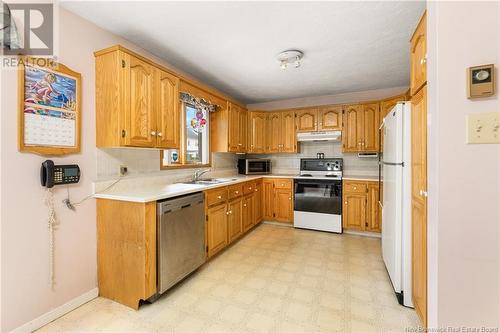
x: 254, y: 166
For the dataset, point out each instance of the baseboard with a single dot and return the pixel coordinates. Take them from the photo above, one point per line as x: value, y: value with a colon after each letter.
x: 57, y: 312
x: 280, y: 224
x: 363, y: 233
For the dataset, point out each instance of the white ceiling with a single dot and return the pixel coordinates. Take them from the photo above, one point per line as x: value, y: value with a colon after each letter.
x: 348, y: 46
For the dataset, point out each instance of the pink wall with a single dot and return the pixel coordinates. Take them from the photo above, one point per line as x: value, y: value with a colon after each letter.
x: 352, y: 97
x: 464, y: 180
x: 26, y: 293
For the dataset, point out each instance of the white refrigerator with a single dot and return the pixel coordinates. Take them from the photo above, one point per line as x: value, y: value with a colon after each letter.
x: 396, y: 206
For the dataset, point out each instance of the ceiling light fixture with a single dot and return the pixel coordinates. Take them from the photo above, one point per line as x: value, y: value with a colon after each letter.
x: 290, y: 57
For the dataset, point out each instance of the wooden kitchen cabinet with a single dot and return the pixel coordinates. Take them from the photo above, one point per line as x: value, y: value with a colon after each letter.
x: 257, y: 132
x: 307, y: 120
x: 268, y: 198
x: 237, y: 129
x: 361, y: 209
x: 258, y: 208
x: 281, y: 132
x: 126, y: 251
x: 216, y: 228
x: 288, y: 139
x: 418, y: 57
x: 361, y: 128
x: 354, y: 211
x: 277, y: 199
x: 137, y: 103
x: 247, y: 212
x: 234, y: 220
x: 373, y: 211
x: 330, y: 118
x: 274, y: 133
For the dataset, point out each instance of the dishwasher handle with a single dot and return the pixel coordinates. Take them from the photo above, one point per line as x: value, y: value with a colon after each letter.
x: 175, y: 204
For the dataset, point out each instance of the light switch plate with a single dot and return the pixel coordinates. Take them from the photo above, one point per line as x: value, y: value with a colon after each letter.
x: 483, y: 127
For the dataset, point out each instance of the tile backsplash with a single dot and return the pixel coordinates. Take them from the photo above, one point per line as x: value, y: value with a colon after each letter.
x: 146, y: 162
x: 290, y: 163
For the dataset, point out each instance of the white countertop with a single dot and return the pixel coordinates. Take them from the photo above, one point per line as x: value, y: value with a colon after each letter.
x: 148, y: 193
x: 153, y: 192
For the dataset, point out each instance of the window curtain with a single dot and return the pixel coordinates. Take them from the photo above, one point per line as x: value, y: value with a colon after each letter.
x: 198, y: 122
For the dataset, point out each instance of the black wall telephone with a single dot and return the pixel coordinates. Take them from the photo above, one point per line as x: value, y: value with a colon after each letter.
x: 51, y: 174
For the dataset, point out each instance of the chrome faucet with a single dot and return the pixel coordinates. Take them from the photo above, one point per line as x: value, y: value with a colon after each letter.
x: 198, y: 173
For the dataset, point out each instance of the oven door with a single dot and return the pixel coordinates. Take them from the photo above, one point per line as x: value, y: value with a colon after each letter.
x: 318, y: 196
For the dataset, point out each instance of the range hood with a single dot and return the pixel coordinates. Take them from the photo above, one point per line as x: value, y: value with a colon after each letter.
x: 319, y: 136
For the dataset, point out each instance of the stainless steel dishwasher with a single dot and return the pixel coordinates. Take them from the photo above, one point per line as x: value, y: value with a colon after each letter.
x: 181, y: 238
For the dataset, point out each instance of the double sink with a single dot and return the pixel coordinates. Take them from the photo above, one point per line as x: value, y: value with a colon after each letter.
x: 210, y: 181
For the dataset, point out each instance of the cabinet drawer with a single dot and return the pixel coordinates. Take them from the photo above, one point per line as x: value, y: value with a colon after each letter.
x: 283, y: 183
x: 248, y: 187
x: 235, y: 191
x: 355, y: 187
x: 216, y: 196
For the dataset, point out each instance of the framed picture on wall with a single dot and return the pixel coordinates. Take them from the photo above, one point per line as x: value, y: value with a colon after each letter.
x: 49, y: 108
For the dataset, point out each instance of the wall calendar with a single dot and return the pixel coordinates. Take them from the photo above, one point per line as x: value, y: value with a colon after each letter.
x: 49, y: 115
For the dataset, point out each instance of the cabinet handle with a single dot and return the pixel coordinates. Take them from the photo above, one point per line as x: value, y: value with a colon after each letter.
x: 240, y: 144
x: 236, y: 192
x: 423, y: 61
x: 153, y: 133
x: 159, y: 134
x: 355, y: 187
x: 256, y: 190
x: 289, y: 198
x: 345, y: 202
x: 244, y: 205
x: 423, y: 193
x: 227, y: 213
x: 219, y: 197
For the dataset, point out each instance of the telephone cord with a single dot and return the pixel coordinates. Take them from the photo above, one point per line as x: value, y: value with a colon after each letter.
x: 51, y: 224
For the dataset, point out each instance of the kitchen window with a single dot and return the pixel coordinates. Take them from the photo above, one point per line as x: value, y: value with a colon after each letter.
x: 194, y: 145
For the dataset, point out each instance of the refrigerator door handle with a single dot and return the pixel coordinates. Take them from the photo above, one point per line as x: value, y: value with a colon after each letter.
x: 393, y: 163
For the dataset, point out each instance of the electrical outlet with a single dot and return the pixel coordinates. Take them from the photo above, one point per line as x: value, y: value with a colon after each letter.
x: 123, y: 170
x: 483, y: 127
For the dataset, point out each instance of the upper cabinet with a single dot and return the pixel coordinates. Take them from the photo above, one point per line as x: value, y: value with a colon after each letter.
x: 228, y: 129
x: 281, y: 132
x: 324, y: 118
x: 361, y: 128
x: 307, y: 120
x: 256, y: 132
x: 134, y: 99
x: 330, y: 118
x: 418, y: 57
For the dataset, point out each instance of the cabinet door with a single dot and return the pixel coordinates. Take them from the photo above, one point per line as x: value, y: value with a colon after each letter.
x: 216, y: 229
x: 274, y: 132
x: 140, y: 116
x: 373, y: 222
x: 167, y: 98
x: 234, y: 143
x: 243, y: 125
x: 354, y: 211
x: 257, y: 132
x: 248, y: 218
x: 419, y: 202
x: 353, y: 128
x: 288, y: 139
x: 370, y: 141
x: 283, y: 205
x: 258, y: 211
x: 418, y: 57
x: 307, y: 120
x: 330, y: 118
x: 234, y: 220
x: 268, y: 199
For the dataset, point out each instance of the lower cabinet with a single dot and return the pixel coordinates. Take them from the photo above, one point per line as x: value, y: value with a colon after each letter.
x: 361, y: 210
x: 234, y: 220
x: 278, y: 199
x: 230, y: 212
x: 216, y: 229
